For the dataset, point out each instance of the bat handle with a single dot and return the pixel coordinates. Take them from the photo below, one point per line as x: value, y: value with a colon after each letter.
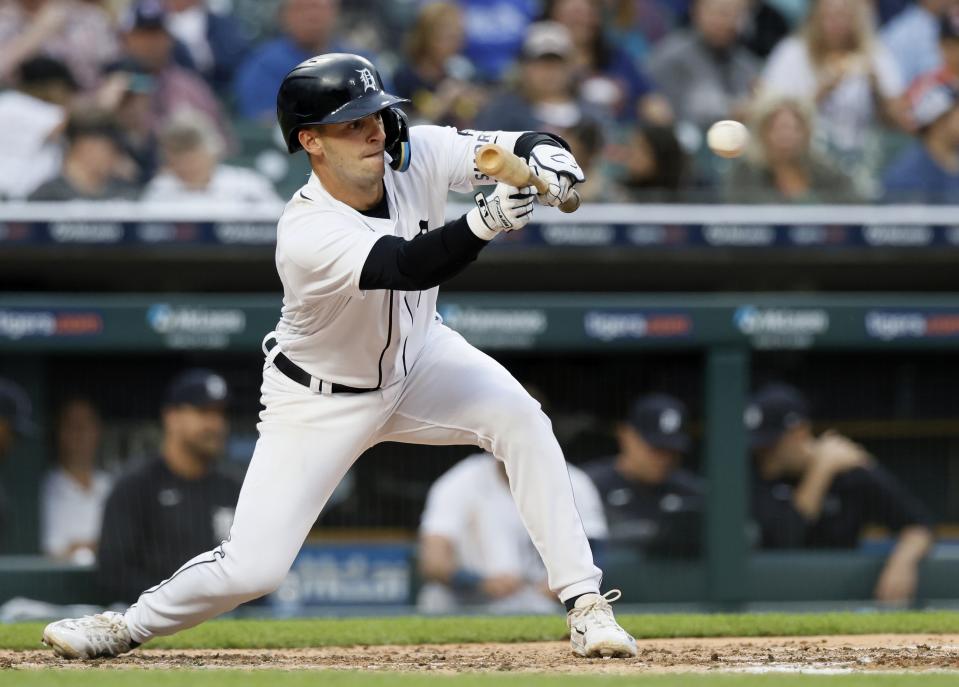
x: 572, y: 202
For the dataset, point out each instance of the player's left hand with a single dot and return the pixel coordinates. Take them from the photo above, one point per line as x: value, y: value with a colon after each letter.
x: 559, y: 169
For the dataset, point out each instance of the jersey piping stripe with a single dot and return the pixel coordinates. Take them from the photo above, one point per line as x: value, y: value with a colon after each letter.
x: 389, y: 340
x: 406, y: 302
x: 218, y: 553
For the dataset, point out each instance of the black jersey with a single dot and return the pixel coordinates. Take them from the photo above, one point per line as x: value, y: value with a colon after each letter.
x: 856, y: 498
x: 155, y: 521
x: 663, y: 519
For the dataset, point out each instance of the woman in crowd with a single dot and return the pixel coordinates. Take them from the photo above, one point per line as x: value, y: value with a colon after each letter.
x: 781, y: 166
x: 436, y: 76
x: 836, y: 62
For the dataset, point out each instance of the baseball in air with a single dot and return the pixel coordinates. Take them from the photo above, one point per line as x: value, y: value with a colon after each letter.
x: 727, y: 138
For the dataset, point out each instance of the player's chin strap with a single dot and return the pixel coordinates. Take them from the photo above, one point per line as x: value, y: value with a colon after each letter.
x: 397, y: 130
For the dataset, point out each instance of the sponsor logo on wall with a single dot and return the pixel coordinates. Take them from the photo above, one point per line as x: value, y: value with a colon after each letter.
x: 742, y: 236
x: 613, y: 325
x: 195, y: 327
x: 496, y: 327
x: 892, y: 325
x: 24, y: 323
x: 356, y: 575
x: 86, y: 232
x: 781, y: 327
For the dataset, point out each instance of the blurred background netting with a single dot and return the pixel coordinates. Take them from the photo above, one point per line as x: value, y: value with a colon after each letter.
x: 709, y: 336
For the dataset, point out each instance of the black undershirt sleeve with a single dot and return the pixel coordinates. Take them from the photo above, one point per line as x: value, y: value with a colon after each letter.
x: 524, y: 144
x: 422, y: 262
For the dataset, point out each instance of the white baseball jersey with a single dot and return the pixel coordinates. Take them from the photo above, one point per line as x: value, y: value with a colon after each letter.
x: 471, y: 505
x: 328, y: 326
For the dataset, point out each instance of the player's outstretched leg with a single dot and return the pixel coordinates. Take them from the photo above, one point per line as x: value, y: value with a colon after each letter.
x: 94, y: 636
x: 593, y: 630
x: 456, y: 394
x: 303, y: 452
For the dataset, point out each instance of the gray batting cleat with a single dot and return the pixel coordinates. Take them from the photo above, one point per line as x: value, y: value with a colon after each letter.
x: 93, y: 636
x: 594, y: 632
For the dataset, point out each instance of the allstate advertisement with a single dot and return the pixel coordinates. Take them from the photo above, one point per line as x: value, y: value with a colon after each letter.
x: 348, y: 575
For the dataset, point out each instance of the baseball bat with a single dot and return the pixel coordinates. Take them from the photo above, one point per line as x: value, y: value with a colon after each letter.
x: 498, y: 163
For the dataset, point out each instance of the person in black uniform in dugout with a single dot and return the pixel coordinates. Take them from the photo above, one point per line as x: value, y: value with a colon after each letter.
x: 176, y: 505
x: 820, y: 491
x: 16, y: 419
x: 652, y: 502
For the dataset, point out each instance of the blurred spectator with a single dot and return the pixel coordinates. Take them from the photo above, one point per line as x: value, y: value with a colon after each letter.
x: 542, y: 96
x: 781, y: 166
x: 586, y: 142
x: 494, y: 34
x: 655, y: 168
x: 607, y: 77
x: 819, y: 492
x: 32, y: 116
x: 946, y: 73
x: 171, y: 508
x: 16, y: 418
x: 435, y: 76
x: 192, y: 167
x: 650, y: 501
x: 704, y: 70
x: 77, y: 33
x: 635, y: 26
x: 764, y: 28
x: 72, y: 494
x: 836, y: 61
x: 127, y: 91
x: 90, y: 162
x: 928, y: 171
x: 912, y: 37
x: 307, y: 29
x: 215, y: 42
x: 148, y: 44
x: 474, y: 550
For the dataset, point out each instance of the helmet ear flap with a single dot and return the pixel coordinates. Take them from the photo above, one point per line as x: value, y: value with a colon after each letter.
x: 397, y: 129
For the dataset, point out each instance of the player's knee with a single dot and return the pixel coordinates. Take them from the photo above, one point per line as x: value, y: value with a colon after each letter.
x: 260, y: 579
x: 520, y: 415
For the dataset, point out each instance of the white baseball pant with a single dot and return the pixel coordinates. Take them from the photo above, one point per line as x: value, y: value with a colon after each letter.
x: 454, y: 394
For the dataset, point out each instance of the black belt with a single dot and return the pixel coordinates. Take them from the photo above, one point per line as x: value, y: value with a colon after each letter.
x: 301, y: 376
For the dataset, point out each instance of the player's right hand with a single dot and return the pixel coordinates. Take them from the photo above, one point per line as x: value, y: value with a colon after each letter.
x: 507, y: 208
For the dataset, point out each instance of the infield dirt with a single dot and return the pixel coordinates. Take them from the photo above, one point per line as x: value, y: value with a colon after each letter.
x: 853, y: 653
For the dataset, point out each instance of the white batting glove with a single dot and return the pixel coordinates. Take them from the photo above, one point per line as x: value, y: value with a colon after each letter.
x: 507, y: 208
x: 558, y: 168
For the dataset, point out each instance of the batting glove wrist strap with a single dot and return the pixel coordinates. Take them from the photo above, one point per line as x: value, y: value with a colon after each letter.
x: 507, y: 208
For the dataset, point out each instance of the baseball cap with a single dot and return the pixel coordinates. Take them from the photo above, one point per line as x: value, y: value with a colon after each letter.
x: 43, y: 69
x: 771, y: 412
x: 15, y: 406
x: 547, y: 39
x: 932, y: 103
x: 145, y: 14
x: 197, y: 387
x: 660, y: 420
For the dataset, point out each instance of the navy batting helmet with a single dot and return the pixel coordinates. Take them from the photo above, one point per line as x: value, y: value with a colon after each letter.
x: 340, y: 87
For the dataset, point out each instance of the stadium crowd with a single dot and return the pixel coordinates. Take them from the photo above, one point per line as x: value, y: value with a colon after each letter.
x: 847, y: 100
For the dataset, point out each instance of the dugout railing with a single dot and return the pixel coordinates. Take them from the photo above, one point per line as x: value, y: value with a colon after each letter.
x: 728, y: 331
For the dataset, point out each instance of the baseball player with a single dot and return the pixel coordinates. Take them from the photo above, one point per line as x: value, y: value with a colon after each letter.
x: 360, y: 356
